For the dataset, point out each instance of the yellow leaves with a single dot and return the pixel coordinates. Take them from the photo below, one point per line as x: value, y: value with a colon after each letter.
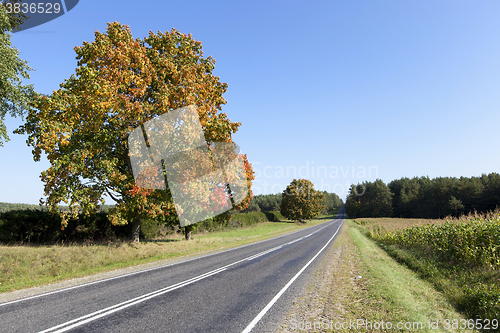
x: 120, y: 83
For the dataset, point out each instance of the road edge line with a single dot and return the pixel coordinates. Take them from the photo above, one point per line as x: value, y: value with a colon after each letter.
x: 282, y: 291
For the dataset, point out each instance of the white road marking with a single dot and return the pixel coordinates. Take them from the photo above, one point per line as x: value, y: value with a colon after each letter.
x: 123, y: 305
x: 146, y: 270
x: 117, y: 307
x: 278, y: 295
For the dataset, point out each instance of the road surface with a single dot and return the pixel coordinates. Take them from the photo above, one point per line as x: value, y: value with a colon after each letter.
x: 246, y: 289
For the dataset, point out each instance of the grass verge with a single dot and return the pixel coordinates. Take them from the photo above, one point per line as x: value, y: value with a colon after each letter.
x: 28, y: 265
x: 459, y: 257
x: 386, y: 293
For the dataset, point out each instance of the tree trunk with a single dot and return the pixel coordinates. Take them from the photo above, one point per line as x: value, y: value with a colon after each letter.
x: 187, y: 232
x: 136, y: 229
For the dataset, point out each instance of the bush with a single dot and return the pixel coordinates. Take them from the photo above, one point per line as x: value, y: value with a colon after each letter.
x: 29, y: 226
x: 36, y: 226
x: 150, y: 228
x: 274, y: 216
x: 246, y: 219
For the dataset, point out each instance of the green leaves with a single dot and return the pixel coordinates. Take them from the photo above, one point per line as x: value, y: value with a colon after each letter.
x: 300, y: 201
x: 14, y: 96
x: 369, y: 199
x: 121, y: 83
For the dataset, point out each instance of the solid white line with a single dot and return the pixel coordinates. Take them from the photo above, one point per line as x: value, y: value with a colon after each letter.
x: 123, y: 305
x: 118, y: 307
x: 278, y: 295
x: 265, y: 252
x: 147, y: 270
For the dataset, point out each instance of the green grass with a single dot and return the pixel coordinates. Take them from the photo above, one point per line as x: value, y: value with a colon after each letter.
x: 27, y: 265
x: 396, y: 293
x: 460, y: 258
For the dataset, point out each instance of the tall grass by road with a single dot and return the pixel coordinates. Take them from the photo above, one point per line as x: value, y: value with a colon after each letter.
x: 461, y: 257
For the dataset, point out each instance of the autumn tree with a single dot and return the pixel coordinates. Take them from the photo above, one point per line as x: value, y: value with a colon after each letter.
x: 121, y: 83
x: 300, y: 201
x: 14, y: 96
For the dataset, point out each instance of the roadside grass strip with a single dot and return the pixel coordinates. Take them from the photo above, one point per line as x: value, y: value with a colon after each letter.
x: 400, y: 293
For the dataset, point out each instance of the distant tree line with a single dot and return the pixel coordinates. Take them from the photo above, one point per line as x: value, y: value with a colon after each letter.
x: 424, y: 197
x: 272, y: 202
x: 7, y: 207
x: 264, y: 203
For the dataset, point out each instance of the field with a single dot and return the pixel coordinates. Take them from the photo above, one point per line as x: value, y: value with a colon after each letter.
x: 390, y: 224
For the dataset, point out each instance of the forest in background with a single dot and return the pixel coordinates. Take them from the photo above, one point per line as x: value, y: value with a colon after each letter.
x: 423, y: 197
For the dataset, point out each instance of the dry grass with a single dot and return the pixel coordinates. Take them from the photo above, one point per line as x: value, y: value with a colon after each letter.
x: 393, y: 223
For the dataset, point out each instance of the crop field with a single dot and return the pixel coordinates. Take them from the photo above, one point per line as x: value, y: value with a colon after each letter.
x: 459, y: 256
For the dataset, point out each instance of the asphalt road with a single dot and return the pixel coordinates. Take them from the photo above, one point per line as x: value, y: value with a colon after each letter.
x: 249, y: 288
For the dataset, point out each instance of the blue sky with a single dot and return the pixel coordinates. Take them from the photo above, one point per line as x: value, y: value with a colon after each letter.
x: 387, y: 89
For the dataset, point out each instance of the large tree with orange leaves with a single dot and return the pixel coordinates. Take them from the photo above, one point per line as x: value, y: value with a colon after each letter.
x: 121, y: 83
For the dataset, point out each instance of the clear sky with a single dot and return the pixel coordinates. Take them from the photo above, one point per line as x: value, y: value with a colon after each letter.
x: 387, y: 89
